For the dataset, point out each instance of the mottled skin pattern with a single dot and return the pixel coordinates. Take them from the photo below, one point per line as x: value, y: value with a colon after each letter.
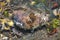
x: 27, y: 19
